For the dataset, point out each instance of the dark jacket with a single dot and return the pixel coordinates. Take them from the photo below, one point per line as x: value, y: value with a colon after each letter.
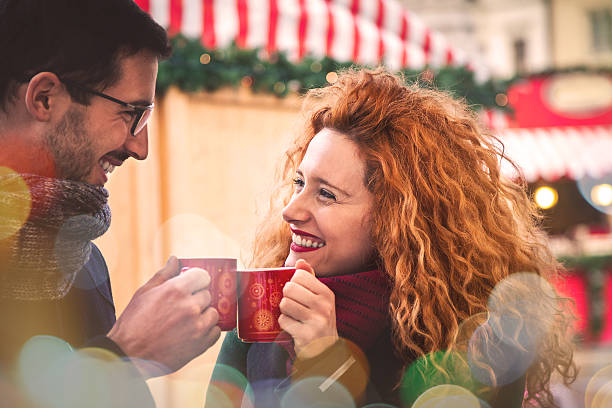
x: 82, y: 318
x: 263, y: 367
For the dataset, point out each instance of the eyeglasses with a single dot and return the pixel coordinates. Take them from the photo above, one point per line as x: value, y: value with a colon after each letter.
x: 140, y: 113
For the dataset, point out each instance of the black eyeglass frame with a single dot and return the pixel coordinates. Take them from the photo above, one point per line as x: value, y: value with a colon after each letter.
x: 138, y: 109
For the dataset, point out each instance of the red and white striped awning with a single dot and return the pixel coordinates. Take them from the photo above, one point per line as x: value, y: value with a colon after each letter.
x: 367, y: 32
x: 552, y: 153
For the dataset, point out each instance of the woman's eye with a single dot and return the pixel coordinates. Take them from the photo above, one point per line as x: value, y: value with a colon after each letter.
x: 327, y: 194
x: 298, y: 182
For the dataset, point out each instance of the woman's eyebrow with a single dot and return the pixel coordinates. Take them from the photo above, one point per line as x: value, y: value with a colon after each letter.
x: 321, y: 180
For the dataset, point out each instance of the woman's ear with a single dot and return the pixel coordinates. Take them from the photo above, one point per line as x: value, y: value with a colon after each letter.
x: 46, y: 96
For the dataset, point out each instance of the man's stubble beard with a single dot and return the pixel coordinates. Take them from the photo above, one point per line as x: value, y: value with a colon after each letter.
x: 70, y: 145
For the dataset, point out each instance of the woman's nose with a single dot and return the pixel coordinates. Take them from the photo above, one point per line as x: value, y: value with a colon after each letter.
x: 296, y: 211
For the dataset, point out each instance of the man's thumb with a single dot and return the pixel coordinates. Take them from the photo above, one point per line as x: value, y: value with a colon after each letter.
x: 169, y: 270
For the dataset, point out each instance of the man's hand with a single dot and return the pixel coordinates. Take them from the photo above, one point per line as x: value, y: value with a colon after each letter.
x: 308, y: 312
x: 168, y: 322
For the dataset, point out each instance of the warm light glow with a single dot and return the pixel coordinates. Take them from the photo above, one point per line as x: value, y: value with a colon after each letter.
x: 316, y: 66
x: 331, y: 77
x: 601, y: 194
x: 501, y: 99
x: 246, y: 81
x: 546, y: 197
x: 15, y: 204
x: 204, y: 59
x: 279, y: 87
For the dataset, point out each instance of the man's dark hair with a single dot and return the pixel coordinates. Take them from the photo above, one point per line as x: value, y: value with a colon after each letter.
x: 79, y: 40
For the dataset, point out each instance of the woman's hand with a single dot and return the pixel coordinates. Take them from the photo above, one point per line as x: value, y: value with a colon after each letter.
x: 308, y: 312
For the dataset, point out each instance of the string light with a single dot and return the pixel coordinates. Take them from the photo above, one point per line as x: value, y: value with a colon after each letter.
x: 316, y: 66
x: 331, y: 77
x: 501, y: 99
x: 279, y: 87
x: 546, y: 197
x: 601, y: 194
x: 205, y: 59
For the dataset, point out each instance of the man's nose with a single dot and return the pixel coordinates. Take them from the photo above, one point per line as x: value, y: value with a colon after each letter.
x: 137, y: 146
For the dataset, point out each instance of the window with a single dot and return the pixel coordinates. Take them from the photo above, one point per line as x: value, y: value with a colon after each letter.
x: 601, y: 29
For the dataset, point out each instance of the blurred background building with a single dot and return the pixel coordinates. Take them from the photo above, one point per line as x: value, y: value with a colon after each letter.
x: 519, y: 37
x: 539, y: 72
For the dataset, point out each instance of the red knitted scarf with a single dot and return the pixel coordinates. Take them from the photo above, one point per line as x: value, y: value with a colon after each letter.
x: 362, y: 302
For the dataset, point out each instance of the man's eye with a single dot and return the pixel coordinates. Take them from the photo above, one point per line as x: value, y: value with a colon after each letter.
x: 128, y: 114
x: 327, y: 194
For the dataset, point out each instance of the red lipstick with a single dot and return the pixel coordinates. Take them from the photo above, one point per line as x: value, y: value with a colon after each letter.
x: 302, y: 233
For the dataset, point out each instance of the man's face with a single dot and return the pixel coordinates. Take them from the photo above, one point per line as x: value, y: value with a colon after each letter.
x: 90, y: 141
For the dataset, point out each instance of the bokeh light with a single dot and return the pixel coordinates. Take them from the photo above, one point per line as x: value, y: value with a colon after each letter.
x: 546, y: 197
x: 521, y: 312
x: 447, y: 395
x: 193, y: 236
x: 94, y: 371
x: 434, y: 369
x: 268, y: 392
x: 55, y: 376
x: 603, y: 397
x: 16, y: 202
x: 226, y: 395
x: 597, y: 192
x: 355, y: 373
x: 307, y: 393
x: 331, y: 77
x: 316, y: 66
x: 501, y: 99
x: 279, y: 87
x: 219, y: 395
x: 597, y: 383
x: 601, y: 194
x: 39, y: 368
x: 229, y: 388
x: 205, y: 59
x: 522, y: 307
x: 466, y: 330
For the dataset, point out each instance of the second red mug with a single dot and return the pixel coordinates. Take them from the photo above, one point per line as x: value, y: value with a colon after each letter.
x: 259, y: 294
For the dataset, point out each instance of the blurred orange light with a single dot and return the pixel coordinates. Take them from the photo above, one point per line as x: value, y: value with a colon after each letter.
x: 546, y: 197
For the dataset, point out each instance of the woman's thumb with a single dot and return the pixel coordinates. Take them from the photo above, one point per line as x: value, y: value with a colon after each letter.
x: 302, y: 264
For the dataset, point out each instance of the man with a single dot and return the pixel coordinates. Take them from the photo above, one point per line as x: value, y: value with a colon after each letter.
x: 77, y: 84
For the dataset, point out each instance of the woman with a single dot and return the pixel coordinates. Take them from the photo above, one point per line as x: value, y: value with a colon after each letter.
x: 392, y: 196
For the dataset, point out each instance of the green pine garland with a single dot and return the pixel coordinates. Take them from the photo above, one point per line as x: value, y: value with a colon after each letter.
x: 194, y: 68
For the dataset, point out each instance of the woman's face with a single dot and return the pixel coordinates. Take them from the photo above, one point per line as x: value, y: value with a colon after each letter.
x: 329, y: 212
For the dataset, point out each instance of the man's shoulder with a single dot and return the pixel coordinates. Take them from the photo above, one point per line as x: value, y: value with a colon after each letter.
x: 96, y: 262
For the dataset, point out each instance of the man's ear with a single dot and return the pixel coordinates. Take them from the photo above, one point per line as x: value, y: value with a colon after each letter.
x: 46, y: 96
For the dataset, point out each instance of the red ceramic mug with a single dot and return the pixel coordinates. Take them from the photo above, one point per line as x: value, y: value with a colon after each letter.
x: 259, y: 294
x: 222, y: 286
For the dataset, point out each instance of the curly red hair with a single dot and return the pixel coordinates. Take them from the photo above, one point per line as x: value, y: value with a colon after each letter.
x: 448, y: 227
